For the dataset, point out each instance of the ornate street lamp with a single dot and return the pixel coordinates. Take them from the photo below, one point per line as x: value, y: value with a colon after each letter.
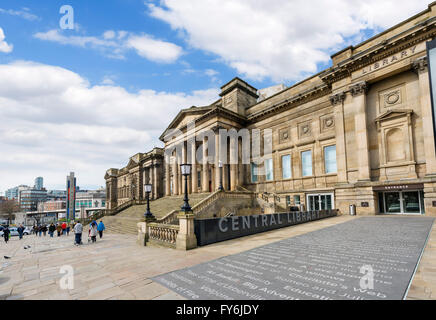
x: 147, y: 188
x: 186, y: 171
x: 220, y: 165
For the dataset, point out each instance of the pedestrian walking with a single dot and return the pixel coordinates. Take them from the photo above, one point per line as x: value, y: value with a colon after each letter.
x: 59, y: 229
x: 35, y: 230
x: 6, y: 233
x: 39, y: 230
x: 78, y: 229
x: 44, y: 230
x: 93, y: 232
x: 64, y: 228
x: 100, y: 229
x: 20, y: 230
x: 51, y: 230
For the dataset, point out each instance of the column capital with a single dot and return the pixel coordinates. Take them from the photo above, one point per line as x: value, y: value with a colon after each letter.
x: 337, y: 98
x: 420, y: 65
x: 359, y: 88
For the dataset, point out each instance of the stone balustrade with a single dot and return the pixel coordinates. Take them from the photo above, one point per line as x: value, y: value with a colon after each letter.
x: 163, y: 234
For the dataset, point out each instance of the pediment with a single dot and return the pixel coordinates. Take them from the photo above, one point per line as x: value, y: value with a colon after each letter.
x: 393, y: 114
x: 132, y: 163
x: 185, y: 116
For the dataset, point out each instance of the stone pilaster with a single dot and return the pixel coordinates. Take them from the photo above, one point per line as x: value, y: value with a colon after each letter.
x: 420, y: 67
x: 358, y: 93
x: 337, y: 101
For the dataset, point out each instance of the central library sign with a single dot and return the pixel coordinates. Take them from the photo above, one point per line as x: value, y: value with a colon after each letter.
x: 214, y: 230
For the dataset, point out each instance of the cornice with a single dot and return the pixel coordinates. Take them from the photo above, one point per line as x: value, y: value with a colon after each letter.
x: 294, y: 101
x: 414, y: 35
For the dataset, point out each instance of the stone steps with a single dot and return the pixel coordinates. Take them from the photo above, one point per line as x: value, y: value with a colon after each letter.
x: 125, y: 222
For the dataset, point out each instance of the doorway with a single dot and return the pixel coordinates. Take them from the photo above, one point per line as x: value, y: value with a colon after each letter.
x: 320, y: 201
x: 401, y: 202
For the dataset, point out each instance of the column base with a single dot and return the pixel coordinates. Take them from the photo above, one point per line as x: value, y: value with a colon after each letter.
x: 186, y: 242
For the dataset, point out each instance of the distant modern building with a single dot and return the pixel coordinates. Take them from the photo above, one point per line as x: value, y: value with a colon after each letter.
x: 71, y: 196
x: 14, y: 193
x: 91, y: 199
x: 29, y: 199
x: 53, y: 195
x: 39, y: 183
x: 52, y: 205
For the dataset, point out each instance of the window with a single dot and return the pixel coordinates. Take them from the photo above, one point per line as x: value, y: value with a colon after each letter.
x: 288, y: 201
x: 286, y: 167
x: 199, y: 179
x: 253, y: 172
x: 330, y: 159
x: 269, y: 176
x: 297, y: 200
x: 306, y: 162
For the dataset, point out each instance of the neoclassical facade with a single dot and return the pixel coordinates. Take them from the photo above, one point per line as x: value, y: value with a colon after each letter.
x: 358, y: 133
x: 127, y: 183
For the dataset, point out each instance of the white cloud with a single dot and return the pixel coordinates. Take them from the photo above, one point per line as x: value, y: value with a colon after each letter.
x: 279, y: 39
x: 4, y: 46
x: 54, y: 121
x: 155, y: 50
x: 114, y: 44
x: 24, y: 13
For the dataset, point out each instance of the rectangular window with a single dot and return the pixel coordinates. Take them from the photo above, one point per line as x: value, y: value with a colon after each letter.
x: 286, y: 167
x: 306, y: 162
x: 199, y: 179
x: 288, y: 201
x: 253, y: 172
x: 330, y: 159
x: 297, y: 200
x: 269, y: 176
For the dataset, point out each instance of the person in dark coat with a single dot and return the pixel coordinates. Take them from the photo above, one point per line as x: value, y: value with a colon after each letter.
x: 44, y: 229
x: 51, y: 230
x: 6, y: 233
x: 20, y: 230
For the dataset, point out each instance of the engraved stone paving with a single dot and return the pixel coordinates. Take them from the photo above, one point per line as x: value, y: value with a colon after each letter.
x: 323, y: 264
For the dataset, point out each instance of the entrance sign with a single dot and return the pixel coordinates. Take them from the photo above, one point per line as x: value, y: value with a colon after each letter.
x: 214, y: 230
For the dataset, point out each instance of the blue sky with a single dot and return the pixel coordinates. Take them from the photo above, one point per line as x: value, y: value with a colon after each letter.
x: 86, y: 99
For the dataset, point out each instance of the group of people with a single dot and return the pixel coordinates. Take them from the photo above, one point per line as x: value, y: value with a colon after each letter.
x: 94, y: 229
x: 61, y: 229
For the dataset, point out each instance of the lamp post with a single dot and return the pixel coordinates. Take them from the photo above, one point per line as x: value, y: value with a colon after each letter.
x: 220, y: 165
x: 148, y: 214
x: 186, y: 171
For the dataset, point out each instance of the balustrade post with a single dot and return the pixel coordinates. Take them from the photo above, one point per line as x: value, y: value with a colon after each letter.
x: 186, y: 238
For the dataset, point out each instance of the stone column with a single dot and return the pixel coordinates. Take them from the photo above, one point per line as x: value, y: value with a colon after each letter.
x: 205, y: 168
x: 233, y: 165
x: 337, y: 101
x: 420, y: 66
x: 167, y: 178
x: 156, y: 181
x: 194, y: 167
x: 358, y: 92
x: 217, y: 159
x: 175, y: 177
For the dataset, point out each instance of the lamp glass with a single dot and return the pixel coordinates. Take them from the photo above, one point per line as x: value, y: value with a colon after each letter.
x: 147, y: 187
x: 220, y: 164
x: 186, y: 169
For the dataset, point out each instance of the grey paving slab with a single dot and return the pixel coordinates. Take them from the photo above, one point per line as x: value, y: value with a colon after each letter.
x: 331, y: 263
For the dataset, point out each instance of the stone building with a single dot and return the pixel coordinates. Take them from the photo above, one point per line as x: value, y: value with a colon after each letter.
x: 358, y: 133
x: 127, y: 183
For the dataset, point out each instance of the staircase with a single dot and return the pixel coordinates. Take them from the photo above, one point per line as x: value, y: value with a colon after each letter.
x: 125, y: 221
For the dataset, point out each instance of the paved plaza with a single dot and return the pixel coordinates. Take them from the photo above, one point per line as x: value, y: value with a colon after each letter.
x: 117, y: 268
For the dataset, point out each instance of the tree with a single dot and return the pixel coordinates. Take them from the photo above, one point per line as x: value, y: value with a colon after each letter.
x: 8, y: 208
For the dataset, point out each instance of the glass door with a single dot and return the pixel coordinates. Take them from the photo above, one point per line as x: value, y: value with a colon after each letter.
x: 411, y: 202
x: 393, y: 204
x: 317, y: 202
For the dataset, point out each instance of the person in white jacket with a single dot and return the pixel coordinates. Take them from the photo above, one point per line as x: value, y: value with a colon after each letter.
x: 78, y: 229
x: 93, y: 232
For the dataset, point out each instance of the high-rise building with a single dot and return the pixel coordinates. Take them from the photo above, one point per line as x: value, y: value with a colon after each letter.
x: 30, y: 198
x: 71, y: 196
x: 39, y: 183
x: 14, y: 193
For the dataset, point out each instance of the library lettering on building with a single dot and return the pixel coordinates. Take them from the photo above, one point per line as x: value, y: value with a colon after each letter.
x: 358, y: 133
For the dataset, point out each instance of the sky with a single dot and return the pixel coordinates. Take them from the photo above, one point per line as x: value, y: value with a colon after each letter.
x: 84, y: 87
